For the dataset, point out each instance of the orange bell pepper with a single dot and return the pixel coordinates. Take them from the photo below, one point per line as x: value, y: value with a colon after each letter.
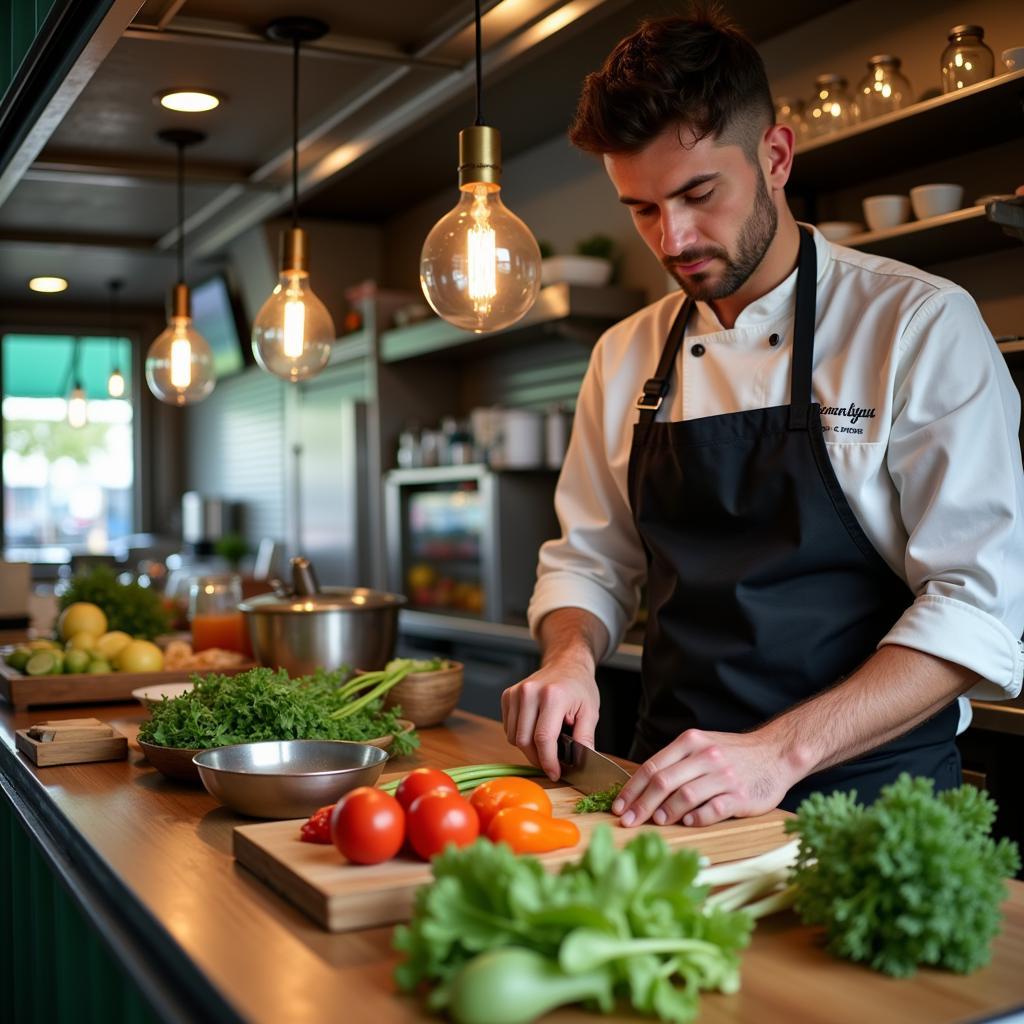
x: 511, y: 791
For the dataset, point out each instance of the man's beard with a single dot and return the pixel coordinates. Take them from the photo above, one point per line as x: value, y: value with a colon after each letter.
x: 755, y: 237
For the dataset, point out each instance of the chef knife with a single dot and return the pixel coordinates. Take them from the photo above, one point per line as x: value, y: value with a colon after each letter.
x: 585, y: 769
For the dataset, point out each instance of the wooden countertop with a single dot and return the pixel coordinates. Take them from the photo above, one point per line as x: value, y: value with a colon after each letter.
x: 161, y: 853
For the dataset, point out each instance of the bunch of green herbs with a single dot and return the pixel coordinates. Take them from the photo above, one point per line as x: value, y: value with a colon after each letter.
x: 138, y: 611
x: 914, y: 879
x: 601, y: 801
x: 266, y: 704
x: 502, y: 941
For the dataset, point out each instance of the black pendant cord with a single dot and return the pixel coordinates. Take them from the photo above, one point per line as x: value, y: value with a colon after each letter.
x: 479, y: 68
x: 181, y: 213
x: 295, y: 132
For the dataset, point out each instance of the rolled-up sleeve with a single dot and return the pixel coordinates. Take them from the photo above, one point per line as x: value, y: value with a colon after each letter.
x: 598, y: 562
x: 954, y: 456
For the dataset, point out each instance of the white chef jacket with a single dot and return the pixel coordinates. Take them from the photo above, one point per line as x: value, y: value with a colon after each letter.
x: 920, y: 418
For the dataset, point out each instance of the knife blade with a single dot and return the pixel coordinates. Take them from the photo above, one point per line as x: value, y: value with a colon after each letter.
x: 587, y: 770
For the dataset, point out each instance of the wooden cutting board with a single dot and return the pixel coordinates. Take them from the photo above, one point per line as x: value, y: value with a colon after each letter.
x: 342, y: 897
x: 23, y: 691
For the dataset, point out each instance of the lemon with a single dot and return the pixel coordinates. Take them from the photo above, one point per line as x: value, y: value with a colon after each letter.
x: 110, y: 645
x: 140, y: 656
x: 81, y: 642
x: 81, y: 617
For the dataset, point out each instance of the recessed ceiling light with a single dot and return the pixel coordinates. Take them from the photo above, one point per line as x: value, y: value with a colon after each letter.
x: 188, y: 101
x: 48, y: 284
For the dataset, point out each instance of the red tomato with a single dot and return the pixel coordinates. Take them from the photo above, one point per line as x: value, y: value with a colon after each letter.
x: 439, y: 818
x: 491, y: 797
x: 368, y: 825
x: 526, y: 831
x: 318, y: 828
x: 420, y: 781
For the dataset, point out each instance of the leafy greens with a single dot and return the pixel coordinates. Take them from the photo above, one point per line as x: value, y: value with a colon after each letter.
x: 134, y: 609
x: 598, y: 801
x: 914, y: 879
x: 265, y: 704
x: 628, y: 921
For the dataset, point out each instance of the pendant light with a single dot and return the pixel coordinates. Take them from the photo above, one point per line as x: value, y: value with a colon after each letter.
x: 480, y: 265
x: 115, y: 382
x: 293, y: 332
x: 179, y: 363
x: 77, y: 410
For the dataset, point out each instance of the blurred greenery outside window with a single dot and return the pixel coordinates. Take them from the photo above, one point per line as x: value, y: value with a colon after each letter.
x: 64, y: 485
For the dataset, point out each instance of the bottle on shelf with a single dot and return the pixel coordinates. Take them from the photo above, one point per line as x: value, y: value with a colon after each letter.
x: 832, y: 108
x: 966, y: 60
x: 883, y: 89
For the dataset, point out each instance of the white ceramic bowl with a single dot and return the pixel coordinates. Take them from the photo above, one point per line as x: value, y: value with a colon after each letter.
x: 589, y: 270
x: 886, y: 211
x: 935, y: 200
x: 1013, y: 59
x: 837, y: 230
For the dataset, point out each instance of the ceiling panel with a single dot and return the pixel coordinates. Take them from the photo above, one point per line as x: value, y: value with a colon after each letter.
x: 116, y: 112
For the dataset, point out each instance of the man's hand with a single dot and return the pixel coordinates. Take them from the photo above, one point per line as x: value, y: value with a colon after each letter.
x: 704, y: 777
x: 533, y: 711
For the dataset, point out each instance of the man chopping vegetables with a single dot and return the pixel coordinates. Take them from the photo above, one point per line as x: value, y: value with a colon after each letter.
x: 811, y: 455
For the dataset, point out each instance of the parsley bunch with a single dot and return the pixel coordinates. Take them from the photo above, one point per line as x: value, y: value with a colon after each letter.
x: 914, y: 879
x: 601, y: 801
x: 265, y: 704
x: 504, y: 941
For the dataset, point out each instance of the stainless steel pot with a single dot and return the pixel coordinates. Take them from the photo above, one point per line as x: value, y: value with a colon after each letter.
x: 335, y: 626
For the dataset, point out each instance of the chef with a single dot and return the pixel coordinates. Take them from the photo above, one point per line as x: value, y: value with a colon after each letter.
x: 809, y: 453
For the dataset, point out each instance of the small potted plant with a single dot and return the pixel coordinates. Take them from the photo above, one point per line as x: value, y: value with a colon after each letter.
x: 592, y: 264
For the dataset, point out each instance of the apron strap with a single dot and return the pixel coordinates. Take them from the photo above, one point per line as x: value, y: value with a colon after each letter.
x: 800, y: 394
x: 656, y: 387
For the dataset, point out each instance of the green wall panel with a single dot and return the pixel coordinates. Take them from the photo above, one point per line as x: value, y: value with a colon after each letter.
x: 55, y: 969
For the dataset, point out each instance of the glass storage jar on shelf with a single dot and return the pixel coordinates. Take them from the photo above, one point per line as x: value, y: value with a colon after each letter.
x: 966, y: 60
x: 883, y: 89
x: 791, y: 112
x: 832, y: 108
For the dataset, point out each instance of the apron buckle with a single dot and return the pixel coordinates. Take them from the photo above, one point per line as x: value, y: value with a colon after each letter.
x: 653, y: 394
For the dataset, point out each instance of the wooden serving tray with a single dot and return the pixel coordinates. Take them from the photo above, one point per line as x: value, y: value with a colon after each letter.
x: 341, y: 896
x: 24, y: 691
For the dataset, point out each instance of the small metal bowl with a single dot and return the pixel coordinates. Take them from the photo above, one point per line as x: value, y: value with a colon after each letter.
x: 287, y: 779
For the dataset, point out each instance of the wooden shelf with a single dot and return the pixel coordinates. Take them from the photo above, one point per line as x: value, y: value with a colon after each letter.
x: 979, y: 116
x: 952, y: 236
x: 560, y: 309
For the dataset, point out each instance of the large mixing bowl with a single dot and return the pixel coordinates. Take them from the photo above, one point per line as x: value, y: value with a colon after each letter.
x: 288, y: 779
x: 337, y: 626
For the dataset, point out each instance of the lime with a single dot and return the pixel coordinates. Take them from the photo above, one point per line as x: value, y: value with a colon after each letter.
x: 76, y: 661
x: 100, y: 665
x: 18, y: 658
x: 42, y: 663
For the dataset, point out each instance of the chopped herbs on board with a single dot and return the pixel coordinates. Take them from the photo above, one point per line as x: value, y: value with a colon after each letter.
x: 265, y: 704
x: 598, y: 801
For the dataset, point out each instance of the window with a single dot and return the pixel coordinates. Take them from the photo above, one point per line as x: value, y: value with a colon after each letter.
x: 62, y: 485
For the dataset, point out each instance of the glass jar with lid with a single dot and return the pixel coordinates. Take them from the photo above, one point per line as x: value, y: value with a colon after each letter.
x: 832, y: 108
x: 883, y: 89
x: 791, y: 112
x: 966, y: 60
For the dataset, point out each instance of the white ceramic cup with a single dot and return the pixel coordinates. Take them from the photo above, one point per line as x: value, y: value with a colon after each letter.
x: 1013, y: 59
x: 520, y: 441
x: 886, y: 211
x: 935, y: 200
x: 837, y: 230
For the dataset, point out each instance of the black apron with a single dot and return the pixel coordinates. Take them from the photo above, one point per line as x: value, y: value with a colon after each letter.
x: 763, y: 590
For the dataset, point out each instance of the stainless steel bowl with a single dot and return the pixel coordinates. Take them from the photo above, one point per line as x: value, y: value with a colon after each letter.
x: 287, y: 779
x: 337, y: 626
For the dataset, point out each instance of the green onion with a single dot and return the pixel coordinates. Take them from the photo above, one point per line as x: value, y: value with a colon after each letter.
x: 469, y: 776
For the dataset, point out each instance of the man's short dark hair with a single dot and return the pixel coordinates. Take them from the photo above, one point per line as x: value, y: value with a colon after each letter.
x: 699, y: 71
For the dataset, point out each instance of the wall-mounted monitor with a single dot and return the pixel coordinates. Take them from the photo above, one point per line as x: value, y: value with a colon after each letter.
x: 217, y: 317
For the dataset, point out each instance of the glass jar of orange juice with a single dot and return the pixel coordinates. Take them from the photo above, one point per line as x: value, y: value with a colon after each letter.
x: 213, y: 610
